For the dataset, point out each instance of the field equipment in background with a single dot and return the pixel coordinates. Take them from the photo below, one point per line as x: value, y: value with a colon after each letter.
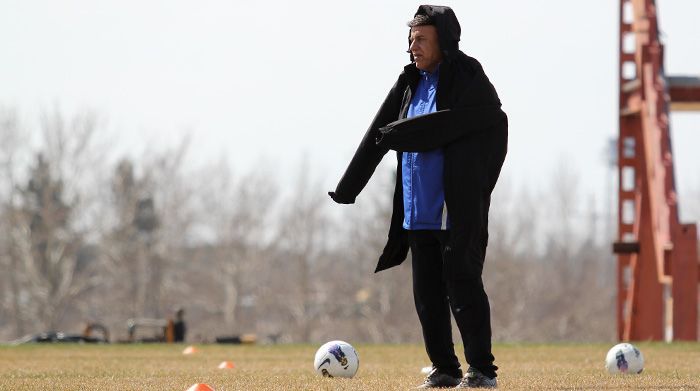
x: 161, y: 330
x: 90, y: 328
x: 60, y: 337
x: 657, y: 255
x: 237, y: 339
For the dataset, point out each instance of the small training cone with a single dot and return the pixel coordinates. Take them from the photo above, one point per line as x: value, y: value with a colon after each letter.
x: 226, y: 365
x: 200, y: 387
x: 190, y: 350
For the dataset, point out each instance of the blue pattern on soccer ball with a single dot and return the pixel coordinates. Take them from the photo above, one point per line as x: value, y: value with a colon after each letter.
x: 336, y: 351
x: 621, y: 361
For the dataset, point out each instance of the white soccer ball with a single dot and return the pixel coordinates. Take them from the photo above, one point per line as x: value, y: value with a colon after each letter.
x: 336, y: 359
x: 624, y: 358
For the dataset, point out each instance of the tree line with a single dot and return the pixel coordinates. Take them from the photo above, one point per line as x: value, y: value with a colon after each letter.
x: 87, y: 239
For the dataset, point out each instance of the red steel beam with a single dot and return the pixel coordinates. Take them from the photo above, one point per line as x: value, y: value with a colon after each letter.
x: 684, y: 92
x: 658, y: 265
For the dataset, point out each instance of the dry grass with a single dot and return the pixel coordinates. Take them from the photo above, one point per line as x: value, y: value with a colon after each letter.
x: 290, y: 367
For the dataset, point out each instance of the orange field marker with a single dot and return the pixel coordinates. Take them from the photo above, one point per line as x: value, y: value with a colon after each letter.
x: 200, y: 387
x: 226, y: 365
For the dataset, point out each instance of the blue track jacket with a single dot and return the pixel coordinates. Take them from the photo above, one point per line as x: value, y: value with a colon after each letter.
x: 422, y: 172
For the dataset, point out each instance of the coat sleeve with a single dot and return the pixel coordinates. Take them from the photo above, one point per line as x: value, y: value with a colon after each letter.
x: 369, y: 153
x: 436, y: 130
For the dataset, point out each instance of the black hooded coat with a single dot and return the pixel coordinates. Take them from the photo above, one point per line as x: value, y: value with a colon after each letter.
x: 471, y: 129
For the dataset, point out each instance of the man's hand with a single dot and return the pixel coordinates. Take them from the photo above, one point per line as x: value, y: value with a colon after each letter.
x: 341, y: 200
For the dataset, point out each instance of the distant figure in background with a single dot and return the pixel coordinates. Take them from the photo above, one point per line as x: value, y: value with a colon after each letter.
x: 179, y: 328
x: 444, y: 119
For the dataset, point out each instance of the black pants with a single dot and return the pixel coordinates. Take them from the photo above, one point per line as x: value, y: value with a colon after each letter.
x: 435, y: 293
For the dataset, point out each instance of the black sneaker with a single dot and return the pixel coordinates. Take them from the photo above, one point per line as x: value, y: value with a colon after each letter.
x: 439, y: 379
x: 476, y: 379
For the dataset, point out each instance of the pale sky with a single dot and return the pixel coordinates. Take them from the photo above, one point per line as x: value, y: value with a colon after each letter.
x: 274, y: 80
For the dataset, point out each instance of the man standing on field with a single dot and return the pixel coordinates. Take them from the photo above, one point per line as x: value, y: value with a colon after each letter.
x: 444, y: 120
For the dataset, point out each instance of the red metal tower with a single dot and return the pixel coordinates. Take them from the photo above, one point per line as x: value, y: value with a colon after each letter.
x: 657, y: 255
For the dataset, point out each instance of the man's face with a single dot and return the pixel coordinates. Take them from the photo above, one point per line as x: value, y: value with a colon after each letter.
x: 425, y: 47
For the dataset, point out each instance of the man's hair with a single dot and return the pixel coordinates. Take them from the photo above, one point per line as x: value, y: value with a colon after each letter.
x: 421, y: 20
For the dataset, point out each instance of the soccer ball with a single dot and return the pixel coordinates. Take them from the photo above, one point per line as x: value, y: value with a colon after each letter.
x: 336, y: 359
x: 624, y: 358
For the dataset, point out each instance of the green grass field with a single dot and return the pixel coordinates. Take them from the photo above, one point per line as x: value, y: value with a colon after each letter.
x: 290, y: 367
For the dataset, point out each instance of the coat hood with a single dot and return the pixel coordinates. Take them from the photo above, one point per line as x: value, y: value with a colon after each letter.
x: 447, y: 26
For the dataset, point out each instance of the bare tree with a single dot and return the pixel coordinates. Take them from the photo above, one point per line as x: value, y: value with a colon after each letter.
x: 302, y: 243
x: 143, y: 244
x: 560, y: 291
x: 514, y: 221
x: 12, y: 146
x: 127, y: 243
x: 47, y: 224
x: 236, y: 214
